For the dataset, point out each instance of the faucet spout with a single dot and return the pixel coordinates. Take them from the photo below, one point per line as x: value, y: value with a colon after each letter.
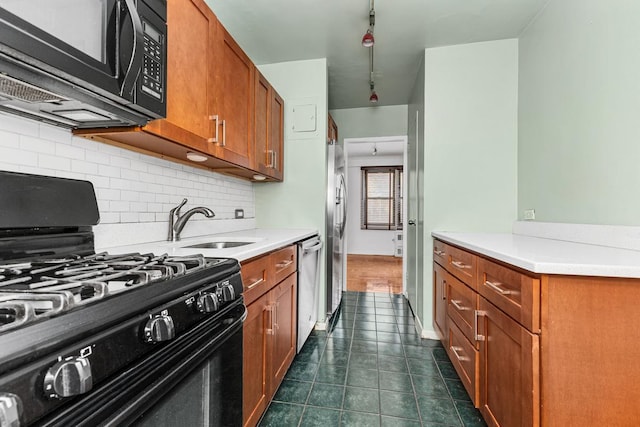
x: 177, y: 221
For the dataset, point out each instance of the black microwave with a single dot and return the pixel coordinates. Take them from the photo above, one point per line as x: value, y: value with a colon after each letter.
x: 84, y: 63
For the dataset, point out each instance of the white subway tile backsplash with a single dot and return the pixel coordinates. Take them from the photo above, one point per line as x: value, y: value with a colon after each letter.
x: 54, y: 162
x: 130, y: 187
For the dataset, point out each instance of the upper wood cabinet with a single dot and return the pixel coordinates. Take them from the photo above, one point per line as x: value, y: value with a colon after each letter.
x: 268, y: 156
x: 210, y: 99
x: 332, y: 129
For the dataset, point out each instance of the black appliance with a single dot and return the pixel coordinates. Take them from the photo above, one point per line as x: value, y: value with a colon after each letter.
x: 91, y: 339
x: 84, y: 63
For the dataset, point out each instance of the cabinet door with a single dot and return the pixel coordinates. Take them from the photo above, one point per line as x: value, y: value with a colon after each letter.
x: 283, y: 298
x: 256, y: 365
x: 192, y: 29
x: 262, y: 105
x: 276, y: 136
x: 234, y: 101
x: 440, y: 301
x: 509, y: 370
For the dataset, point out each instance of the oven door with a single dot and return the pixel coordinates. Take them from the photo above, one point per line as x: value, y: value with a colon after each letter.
x: 195, y: 380
x: 87, y: 42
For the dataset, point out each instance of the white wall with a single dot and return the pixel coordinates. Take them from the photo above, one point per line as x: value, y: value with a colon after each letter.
x: 470, y: 143
x: 579, y: 104
x: 299, y: 201
x: 366, y: 242
x: 365, y: 122
x: 131, y: 188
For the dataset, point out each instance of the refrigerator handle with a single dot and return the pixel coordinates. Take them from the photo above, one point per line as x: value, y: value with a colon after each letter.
x: 343, y: 188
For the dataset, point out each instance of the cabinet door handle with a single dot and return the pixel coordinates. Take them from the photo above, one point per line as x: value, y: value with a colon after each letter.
x: 455, y: 351
x: 270, y: 157
x: 224, y: 133
x: 457, y: 305
x: 284, y: 264
x: 214, y: 139
x: 496, y: 287
x: 271, y: 329
x: 460, y: 264
x: 255, y: 283
x: 476, y: 314
x: 275, y: 159
x: 276, y: 325
x: 444, y: 289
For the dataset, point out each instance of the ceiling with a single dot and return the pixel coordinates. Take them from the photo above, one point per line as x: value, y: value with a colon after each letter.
x: 273, y: 31
x: 364, y: 149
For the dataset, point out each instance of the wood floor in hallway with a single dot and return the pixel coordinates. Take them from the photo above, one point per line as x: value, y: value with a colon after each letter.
x: 374, y: 273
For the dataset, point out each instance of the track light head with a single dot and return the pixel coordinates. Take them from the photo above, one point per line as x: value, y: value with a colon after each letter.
x: 373, y: 98
x: 367, y: 39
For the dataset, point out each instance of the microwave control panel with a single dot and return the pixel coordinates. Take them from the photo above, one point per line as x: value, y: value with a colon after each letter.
x: 153, y: 65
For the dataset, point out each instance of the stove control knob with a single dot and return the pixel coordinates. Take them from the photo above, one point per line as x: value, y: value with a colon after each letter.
x: 68, y: 377
x: 159, y: 328
x: 208, y: 303
x: 10, y: 410
x: 228, y: 293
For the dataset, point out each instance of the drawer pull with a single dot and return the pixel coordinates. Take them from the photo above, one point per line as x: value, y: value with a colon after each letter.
x: 457, y: 305
x: 460, y: 264
x: 476, y: 335
x: 256, y: 283
x: 455, y: 351
x: 284, y: 264
x: 439, y: 252
x: 496, y: 287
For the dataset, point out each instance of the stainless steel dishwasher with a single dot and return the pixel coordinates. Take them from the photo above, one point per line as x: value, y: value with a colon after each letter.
x: 308, y: 284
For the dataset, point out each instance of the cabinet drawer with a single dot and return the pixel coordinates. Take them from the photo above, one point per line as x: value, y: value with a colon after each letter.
x: 517, y: 294
x: 462, y: 264
x: 284, y: 262
x: 466, y: 361
x: 462, y: 301
x: 440, y: 253
x: 255, y: 278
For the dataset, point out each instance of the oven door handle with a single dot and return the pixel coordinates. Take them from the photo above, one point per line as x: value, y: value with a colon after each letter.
x: 137, y: 54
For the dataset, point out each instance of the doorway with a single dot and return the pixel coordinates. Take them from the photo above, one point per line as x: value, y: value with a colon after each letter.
x: 375, y: 251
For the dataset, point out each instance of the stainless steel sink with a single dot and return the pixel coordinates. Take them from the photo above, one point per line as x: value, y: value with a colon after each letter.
x: 218, y: 245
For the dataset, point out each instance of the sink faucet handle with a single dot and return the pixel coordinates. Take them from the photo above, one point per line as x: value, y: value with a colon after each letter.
x: 176, y: 210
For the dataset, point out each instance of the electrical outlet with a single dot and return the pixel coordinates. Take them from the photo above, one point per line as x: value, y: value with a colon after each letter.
x: 529, y: 214
x: 239, y: 213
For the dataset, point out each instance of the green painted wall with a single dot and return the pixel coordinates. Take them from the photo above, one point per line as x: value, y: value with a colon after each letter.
x: 299, y: 201
x: 579, y: 109
x: 371, y: 121
x: 470, y: 144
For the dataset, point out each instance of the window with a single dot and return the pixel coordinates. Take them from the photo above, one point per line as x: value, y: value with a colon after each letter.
x: 381, y: 204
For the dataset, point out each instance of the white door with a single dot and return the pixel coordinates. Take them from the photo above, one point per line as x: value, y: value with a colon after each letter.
x: 413, y: 256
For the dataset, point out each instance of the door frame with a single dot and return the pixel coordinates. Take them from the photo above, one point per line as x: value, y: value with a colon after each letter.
x: 379, y: 139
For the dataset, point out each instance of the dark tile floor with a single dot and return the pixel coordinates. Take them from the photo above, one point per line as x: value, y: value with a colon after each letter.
x: 371, y: 370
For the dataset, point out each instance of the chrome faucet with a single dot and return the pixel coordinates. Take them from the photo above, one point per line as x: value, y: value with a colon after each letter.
x: 177, y: 222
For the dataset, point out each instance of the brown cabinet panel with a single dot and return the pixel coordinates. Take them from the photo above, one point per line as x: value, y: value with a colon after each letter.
x: 440, y: 301
x: 256, y: 278
x: 465, y: 359
x: 509, y: 371
x: 276, y: 135
x: 440, y: 253
x: 261, y: 155
x: 462, y: 302
x: 284, y: 262
x: 234, y: 101
x: 516, y: 294
x: 462, y: 264
x: 256, y: 365
x: 284, y: 300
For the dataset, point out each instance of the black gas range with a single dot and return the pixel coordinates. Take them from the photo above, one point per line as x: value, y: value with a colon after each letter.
x: 109, y: 339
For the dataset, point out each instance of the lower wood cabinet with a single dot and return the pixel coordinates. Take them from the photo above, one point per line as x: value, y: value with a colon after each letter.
x: 539, y: 349
x: 270, y: 292
x: 509, y: 388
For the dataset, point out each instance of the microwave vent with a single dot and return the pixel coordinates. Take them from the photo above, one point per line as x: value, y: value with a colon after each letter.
x: 25, y: 92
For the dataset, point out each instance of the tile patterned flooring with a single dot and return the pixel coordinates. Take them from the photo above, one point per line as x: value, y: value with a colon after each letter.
x: 371, y: 370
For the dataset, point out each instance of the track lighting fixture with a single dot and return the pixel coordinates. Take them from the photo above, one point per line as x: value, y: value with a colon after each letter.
x: 368, y: 41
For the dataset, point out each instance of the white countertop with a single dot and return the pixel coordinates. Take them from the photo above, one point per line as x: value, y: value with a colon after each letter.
x: 262, y: 240
x: 549, y: 256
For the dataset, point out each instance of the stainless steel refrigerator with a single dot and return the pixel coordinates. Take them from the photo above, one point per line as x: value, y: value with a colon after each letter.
x: 336, y: 222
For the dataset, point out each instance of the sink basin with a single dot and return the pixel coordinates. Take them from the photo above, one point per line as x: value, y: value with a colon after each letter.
x: 218, y: 245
